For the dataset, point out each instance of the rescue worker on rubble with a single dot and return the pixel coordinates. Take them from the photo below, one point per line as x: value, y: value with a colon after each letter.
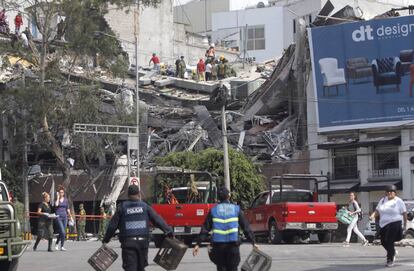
x: 181, y: 67
x: 222, y: 68
x: 132, y: 218
x: 224, y: 221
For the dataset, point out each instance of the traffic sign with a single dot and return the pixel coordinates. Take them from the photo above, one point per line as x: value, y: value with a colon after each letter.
x: 133, y: 181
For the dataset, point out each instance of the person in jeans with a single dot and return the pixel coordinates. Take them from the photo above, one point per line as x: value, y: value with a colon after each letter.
x: 355, y: 211
x: 392, y: 212
x: 63, y: 212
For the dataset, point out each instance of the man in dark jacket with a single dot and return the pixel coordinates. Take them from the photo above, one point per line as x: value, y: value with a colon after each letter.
x: 132, y: 218
x: 224, y: 221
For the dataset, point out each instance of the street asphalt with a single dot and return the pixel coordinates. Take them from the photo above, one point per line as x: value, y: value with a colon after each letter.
x: 300, y: 257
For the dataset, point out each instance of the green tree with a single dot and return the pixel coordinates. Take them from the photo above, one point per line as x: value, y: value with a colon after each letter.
x: 245, y: 179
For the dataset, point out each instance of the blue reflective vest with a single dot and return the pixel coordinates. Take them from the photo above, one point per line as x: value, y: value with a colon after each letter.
x: 225, y: 223
x: 134, y: 219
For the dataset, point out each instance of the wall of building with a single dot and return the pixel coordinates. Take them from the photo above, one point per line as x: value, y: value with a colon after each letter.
x: 191, y: 46
x: 295, y: 10
x: 270, y: 17
x: 322, y: 160
x: 194, y: 14
x: 156, y: 32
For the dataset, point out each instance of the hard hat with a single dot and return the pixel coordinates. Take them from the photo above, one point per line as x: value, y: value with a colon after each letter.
x: 212, y: 45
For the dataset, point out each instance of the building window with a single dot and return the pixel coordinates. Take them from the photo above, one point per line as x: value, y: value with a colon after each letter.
x: 386, y: 162
x: 256, y: 38
x: 345, y: 164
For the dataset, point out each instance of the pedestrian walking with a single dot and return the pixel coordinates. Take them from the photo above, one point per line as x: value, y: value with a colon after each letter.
x: 63, y: 212
x: 132, y: 218
x: 44, y: 223
x: 103, y: 223
x: 81, y: 223
x: 356, y: 212
x: 155, y: 59
x: 392, y: 220
x: 18, y: 22
x: 201, y: 68
x: 224, y: 221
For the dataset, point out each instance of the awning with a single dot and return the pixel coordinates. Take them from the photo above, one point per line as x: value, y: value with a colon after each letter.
x: 380, y: 186
x: 355, y: 143
x: 340, y: 187
x: 378, y: 141
x: 338, y: 144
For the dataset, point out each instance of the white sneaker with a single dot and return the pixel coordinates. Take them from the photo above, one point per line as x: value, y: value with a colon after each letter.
x: 57, y: 247
x: 345, y: 244
x: 365, y: 243
x: 63, y: 249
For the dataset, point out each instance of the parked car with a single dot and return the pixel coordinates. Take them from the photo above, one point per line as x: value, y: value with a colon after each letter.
x: 371, y: 228
x: 284, y: 212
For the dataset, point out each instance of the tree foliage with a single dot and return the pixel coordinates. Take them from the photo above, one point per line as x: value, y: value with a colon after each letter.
x: 245, y: 181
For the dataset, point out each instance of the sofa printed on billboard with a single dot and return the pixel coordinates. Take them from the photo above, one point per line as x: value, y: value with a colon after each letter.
x: 363, y: 73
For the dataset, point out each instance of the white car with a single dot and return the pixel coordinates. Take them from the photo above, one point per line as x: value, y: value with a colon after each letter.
x: 370, y: 231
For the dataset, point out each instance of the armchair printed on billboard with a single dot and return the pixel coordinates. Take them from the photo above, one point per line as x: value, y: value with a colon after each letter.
x: 372, y: 61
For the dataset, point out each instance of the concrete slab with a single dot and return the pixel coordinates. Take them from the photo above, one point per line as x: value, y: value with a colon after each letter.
x: 205, y: 87
x: 164, y: 82
x: 144, y: 81
x: 242, y: 88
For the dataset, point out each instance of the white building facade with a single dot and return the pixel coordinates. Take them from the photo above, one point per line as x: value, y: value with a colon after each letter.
x: 262, y: 33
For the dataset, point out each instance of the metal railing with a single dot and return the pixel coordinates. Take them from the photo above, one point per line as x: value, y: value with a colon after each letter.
x: 382, y: 173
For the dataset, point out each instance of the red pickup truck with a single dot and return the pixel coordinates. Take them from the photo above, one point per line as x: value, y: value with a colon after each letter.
x: 183, y: 199
x: 283, y: 212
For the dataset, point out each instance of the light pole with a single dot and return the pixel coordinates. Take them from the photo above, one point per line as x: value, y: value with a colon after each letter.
x: 225, y: 145
x: 137, y: 82
x: 135, y: 43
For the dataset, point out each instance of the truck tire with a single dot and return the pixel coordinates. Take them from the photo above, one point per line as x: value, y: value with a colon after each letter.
x: 9, y: 265
x: 158, y: 239
x: 275, y: 236
x: 324, y: 237
x: 188, y: 241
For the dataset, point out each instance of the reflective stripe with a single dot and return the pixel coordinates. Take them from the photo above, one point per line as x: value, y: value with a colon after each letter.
x: 226, y: 232
x: 219, y: 220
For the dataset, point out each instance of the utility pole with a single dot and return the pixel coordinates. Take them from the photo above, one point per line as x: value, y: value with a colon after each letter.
x: 244, y: 45
x: 136, y: 29
x: 26, y: 227
x: 301, y: 84
x: 225, y: 145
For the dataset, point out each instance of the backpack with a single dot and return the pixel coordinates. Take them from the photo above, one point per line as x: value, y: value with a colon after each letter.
x: 360, y: 213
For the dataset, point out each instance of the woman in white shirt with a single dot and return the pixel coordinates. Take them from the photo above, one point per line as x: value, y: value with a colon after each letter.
x: 392, y: 212
x: 355, y: 211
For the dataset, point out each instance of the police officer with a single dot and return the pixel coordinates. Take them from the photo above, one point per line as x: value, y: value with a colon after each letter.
x: 132, y: 218
x: 224, y: 221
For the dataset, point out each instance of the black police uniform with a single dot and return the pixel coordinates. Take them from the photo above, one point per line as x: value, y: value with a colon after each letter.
x: 132, y: 218
x: 226, y: 256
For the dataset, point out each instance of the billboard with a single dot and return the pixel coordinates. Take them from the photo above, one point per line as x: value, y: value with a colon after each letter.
x: 363, y: 73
